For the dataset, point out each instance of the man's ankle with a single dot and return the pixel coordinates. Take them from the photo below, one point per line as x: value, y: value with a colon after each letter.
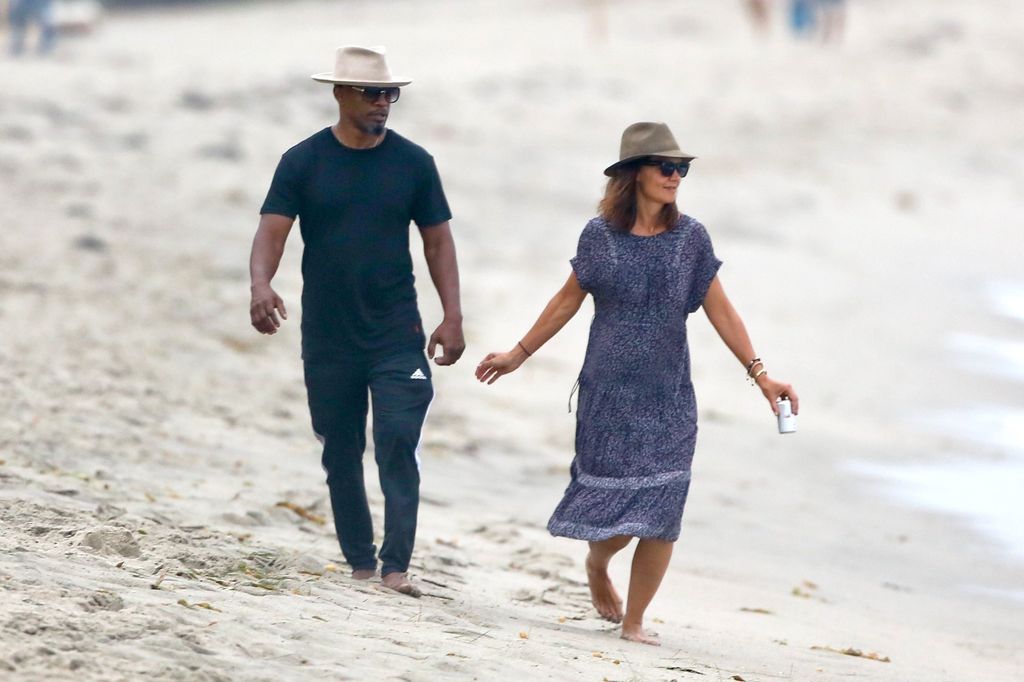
x: 364, y: 573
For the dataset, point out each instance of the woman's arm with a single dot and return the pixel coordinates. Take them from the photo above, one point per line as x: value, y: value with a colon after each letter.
x: 559, y: 310
x: 730, y: 327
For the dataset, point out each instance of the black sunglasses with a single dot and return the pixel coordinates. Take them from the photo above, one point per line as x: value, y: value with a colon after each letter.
x: 371, y: 95
x: 667, y: 168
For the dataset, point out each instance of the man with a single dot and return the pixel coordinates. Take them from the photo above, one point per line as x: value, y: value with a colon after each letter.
x: 355, y: 187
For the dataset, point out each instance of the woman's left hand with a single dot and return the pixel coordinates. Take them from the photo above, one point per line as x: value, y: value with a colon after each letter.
x: 773, y: 389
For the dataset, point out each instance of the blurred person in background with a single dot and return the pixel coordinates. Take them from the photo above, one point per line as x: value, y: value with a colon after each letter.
x: 22, y: 15
x: 831, y: 20
x: 648, y: 267
x: 802, y: 17
x: 759, y: 12
x: 823, y: 19
x: 355, y: 187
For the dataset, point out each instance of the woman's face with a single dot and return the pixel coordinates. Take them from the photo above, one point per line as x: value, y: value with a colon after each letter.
x: 653, y: 185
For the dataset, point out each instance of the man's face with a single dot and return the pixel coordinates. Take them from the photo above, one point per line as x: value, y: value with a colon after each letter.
x: 366, y: 108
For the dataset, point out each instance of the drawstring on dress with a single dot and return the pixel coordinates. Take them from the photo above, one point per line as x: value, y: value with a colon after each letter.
x: 574, y: 387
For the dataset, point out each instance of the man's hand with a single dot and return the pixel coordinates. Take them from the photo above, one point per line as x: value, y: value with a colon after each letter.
x: 267, y: 247
x: 449, y: 335
x: 264, y: 308
x: 439, y: 251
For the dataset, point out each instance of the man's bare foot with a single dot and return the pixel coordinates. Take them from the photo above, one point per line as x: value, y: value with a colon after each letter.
x: 364, y: 573
x: 602, y: 593
x: 399, y: 582
x: 635, y: 633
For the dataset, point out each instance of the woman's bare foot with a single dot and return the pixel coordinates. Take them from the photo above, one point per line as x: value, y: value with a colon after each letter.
x: 399, y: 582
x: 635, y: 633
x: 602, y: 593
x: 364, y: 573
x: 650, y: 561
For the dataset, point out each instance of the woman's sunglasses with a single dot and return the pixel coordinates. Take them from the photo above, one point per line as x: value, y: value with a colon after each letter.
x: 667, y: 168
x: 371, y: 95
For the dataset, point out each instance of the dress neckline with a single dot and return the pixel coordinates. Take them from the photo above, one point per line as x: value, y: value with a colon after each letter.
x: 680, y: 225
x: 650, y: 236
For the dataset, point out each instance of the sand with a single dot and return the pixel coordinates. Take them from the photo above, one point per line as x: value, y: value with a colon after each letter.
x: 162, y: 509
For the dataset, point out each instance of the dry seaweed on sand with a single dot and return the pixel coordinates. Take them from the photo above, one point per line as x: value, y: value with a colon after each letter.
x: 199, y: 605
x: 303, y: 512
x: 850, y: 651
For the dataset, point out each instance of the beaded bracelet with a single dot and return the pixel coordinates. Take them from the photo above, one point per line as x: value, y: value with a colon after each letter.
x: 528, y: 353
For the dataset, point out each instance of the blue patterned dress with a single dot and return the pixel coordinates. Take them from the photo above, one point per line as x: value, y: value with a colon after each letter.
x: 636, y: 424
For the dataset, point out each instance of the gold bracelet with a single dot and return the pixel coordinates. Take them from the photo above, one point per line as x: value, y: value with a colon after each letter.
x: 753, y: 378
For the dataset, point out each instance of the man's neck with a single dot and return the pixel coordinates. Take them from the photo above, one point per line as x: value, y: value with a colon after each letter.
x: 354, y: 138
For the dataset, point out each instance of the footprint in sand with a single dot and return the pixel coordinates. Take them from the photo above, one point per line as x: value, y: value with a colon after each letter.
x: 112, y: 541
x: 102, y: 600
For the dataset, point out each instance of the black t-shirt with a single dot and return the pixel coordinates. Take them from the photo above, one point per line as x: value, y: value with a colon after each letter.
x: 354, y: 208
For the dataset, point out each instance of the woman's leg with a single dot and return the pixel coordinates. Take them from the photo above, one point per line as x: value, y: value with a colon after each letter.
x: 602, y: 593
x: 650, y: 561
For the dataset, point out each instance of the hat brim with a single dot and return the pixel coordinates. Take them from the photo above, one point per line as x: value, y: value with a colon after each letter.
x: 670, y: 154
x: 329, y: 78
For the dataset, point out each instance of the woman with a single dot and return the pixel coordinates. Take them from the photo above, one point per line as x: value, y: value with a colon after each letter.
x: 647, y: 267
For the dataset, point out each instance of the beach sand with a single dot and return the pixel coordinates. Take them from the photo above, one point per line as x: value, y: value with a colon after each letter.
x: 162, y: 510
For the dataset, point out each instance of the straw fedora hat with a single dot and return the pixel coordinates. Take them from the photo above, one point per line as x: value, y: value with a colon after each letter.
x: 647, y: 139
x: 364, y: 66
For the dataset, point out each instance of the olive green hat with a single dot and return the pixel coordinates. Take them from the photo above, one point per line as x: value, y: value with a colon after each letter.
x: 645, y: 139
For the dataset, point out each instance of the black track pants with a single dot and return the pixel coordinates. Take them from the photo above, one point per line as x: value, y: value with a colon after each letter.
x: 401, y: 390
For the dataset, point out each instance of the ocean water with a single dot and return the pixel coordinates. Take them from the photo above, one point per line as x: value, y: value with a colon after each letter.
x: 989, y: 493
x: 1007, y: 298
x: 989, y: 496
x: 1000, y: 427
x: 998, y: 357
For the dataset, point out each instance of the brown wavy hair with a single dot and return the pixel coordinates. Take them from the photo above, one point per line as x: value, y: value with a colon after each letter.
x: 618, y: 206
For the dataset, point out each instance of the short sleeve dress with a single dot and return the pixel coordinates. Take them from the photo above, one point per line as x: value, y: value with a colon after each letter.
x: 636, y: 424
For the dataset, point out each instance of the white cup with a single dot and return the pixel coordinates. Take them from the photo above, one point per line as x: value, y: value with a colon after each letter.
x: 787, y: 420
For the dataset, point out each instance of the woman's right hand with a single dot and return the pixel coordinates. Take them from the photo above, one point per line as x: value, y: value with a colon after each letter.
x: 498, y: 364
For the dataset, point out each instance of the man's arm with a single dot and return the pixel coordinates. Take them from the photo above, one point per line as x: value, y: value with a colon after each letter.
x: 439, y: 250
x: 267, y: 249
